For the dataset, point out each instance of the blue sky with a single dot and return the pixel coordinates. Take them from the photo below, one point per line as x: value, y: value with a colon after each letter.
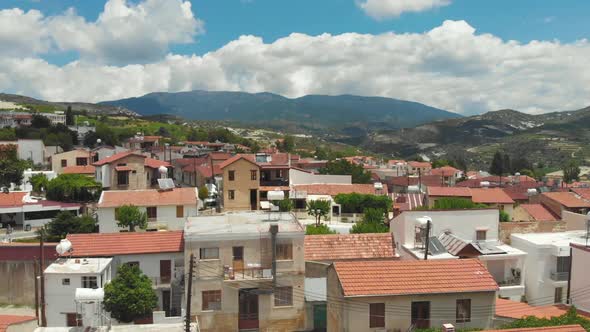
x: 466, y: 56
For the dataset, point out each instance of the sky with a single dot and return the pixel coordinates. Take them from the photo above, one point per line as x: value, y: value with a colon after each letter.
x: 464, y: 56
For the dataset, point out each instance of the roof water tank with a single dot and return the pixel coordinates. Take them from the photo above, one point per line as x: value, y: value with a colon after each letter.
x: 63, y: 247
x: 484, y: 184
x: 275, y: 195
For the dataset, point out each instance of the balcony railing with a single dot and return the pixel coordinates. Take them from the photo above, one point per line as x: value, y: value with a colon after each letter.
x: 559, y: 276
x: 274, y: 183
x: 251, y: 273
x: 161, y: 281
x: 509, y: 282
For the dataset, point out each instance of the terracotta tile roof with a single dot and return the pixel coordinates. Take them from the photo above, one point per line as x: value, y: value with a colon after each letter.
x: 517, y: 310
x: 123, y: 169
x: 449, y: 191
x: 219, y: 155
x: 336, y: 247
x: 445, y: 171
x: 116, y: 157
x: 147, y: 197
x: 562, y: 328
x: 490, y: 196
x: 110, y: 244
x: 583, y: 192
x: 12, y: 199
x: 393, y: 162
x: 427, y: 180
x: 249, y: 157
x: 419, y: 164
x: 335, y: 189
x: 567, y: 199
x: 407, y: 202
x: 539, y: 212
x: 88, y: 169
x: 155, y: 163
x: 144, y: 139
x: 393, y: 277
x: 8, y: 320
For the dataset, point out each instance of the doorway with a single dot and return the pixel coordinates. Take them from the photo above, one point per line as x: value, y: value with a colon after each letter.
x: 421, y: 314
x: 248, y: 309
x: 165, y: 271
x: 166, y: 302
x: 253, y: 199
x: 238, y: 259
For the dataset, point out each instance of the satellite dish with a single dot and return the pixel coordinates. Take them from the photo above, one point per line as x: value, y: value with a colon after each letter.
x: 63, y: 247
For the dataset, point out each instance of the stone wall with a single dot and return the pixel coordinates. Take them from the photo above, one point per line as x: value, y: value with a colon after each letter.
x: 507, y: 228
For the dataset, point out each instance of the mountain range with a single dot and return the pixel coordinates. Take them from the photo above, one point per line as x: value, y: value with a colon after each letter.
x: 351, y: 114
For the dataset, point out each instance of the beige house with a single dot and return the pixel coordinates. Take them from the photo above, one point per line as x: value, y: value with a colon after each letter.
x: 241, y: 183
x: 236, y: 287
x: 78, y: 157
x: 397, y: 295
x: 128, y: 171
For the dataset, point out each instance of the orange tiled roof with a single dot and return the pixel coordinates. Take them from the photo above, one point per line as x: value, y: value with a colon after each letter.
x: 116, y: 157
x: 518, y: 310
x: 562, y: 328
x: 445, y: 171
x: 11, y: 199
x: 148, y: 197
x: 449, y: 191
x: 7, y: 320
x: 583, y: 192
x: 335, y: 189
x: 539, y: 212
x: 419, y: 164
x: 567, y: 199
x: 248, y: 157
x: 110, y: 244
x: 393, y: 277
x: 490, y: 196
x: 349, y: 246
x: 155, y: 163
x: 87, y: 169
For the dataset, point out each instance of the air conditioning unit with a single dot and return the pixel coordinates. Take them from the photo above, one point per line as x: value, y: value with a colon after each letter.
x: 448, y: 328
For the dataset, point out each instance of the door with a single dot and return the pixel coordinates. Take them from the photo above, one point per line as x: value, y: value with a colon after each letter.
x: 319, y: 318
x: 421, y: 314
x: 253, y: 199
x: 165, y: 271
x: 166, y: 302
x: 248, y: 306
x: 238, y: 258
x: 72, y: 319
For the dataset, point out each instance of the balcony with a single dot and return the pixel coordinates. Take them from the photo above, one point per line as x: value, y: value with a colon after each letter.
x: 274, y: 183
x: 251, y: 273
x: 559, y: 276
x: 161, y: 282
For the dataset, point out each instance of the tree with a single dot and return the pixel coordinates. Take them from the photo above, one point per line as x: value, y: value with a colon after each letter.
x: 129, y: 295
x: 39, y: 121
x: 506, y: 164
x: 11, y: 171
x: 357, y: 203
x: 453, y: 203
x: 571, y: 172
x: 373, y: 222
x: 203, y: 193
x: 318, y: 230
x: 504, y: 216
x: 39, y: 182
x: 69, y: 116
x: 73, y: 188
x: 162, y: 131
x: 343, y: 167
x: 67, y: 223
x: 287, y: 144
x: 130, y: 216
x: 285, y: 205
x: 318, y: 209
x: 497, y: 166
x: 571, y: 317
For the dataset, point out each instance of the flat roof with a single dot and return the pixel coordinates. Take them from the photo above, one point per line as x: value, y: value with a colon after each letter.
x: 562, y: 239
x: 78, y: 266
x: 230, y: 225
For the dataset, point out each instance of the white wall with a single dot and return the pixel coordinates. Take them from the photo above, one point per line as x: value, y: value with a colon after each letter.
x: 580, y: 282
x: 166, y: 216
x: 31, y: 147
x: 26, y: 186
x: 300, y: 177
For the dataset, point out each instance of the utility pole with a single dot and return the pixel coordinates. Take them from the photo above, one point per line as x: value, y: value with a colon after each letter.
x: 42, y: 279
x: 189, y: 294
x: 427, y: 239
x: 36, y: 289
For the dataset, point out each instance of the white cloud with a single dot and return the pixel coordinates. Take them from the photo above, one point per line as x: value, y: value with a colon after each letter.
x: 122, y: 33
x: 383, y: 9
x: 450, y: 66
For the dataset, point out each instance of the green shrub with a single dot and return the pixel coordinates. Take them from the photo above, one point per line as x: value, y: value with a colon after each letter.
x: 356, y: 203
x: 453, y: 203
x: 318, y: 230
x: 373, y: 222
x: 504, y: 216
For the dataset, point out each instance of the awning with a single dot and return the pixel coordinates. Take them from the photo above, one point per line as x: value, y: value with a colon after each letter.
x: 123, y: 169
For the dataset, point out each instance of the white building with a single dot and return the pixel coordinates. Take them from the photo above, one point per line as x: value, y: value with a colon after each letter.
x: 580, y: 282
x: 27, y: 174
x: 166, y: 209
x: 21, y: 211
x: 56, y: 117
x: 461, y: 234
x: 64, y: 278
x: 547, y: 264
x: 29, y: 149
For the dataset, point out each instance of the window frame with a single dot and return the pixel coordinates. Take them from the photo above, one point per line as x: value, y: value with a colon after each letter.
x: 64, y: 163
x: 89, y: 281
x: 81, y: 161
x: 231, y: 175
x: 283, y: 296
x: 211, y: 300
x: 122, y: 175
x: 134, y: 263
x: 463, y: 310
x: 253, y: 175
x: 180, y: 208
x: 376, y: 315
x: 151, y: 212
x: 479, y: 232
x: 231, y: 195
x: 284, y: 251
x: 65, y: 282
x: 203, y: 255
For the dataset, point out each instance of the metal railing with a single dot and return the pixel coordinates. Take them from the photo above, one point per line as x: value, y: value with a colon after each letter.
x: 276, y: 183
x: 249, y: 274
x: 509, y: 282
x: 161, y: 281
x: 559, y: 276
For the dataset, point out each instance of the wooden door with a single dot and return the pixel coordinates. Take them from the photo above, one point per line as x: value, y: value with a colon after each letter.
x: 248, y: 306
x: 165, y: 271
x: 72, y: 319
x: 166, y: 302
x: 421, y: 314
x: 238, y: 259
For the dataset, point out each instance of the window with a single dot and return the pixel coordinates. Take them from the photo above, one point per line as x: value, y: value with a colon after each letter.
x: 480, y: 235
x: 558, y: 298
x: 152, y: 212
x: 64, y: 163
x: 253, y: 174
x: 283, y: 296
x: 563, y: 264
x: 123, y: 178
x: 65, y: 282
x: 231, y: 175
x: 132, y: 264
x: 279, y: 173
x: 89, y: 282
x: 284, y: 251
x: 376, y: 315
x: 179, y: 211
x: 81, y: 161
x: 231, y: 194
x: 463, y: 311
x: 209, y: 253
x: 211, y: 300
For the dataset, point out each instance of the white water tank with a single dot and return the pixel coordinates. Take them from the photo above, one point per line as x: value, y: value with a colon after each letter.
x: 163, y: 171
x: 63, y: 247
x: 484, y: 184
x: 276, y: 195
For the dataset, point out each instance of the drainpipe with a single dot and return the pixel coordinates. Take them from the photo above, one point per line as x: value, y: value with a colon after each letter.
x: 569, y: 277
x: 427, y: 240
x: 274, y: 229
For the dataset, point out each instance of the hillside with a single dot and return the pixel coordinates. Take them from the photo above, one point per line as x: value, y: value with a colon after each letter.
x: 550, y: 138
x: 41, y: 105
x: 353, y: 115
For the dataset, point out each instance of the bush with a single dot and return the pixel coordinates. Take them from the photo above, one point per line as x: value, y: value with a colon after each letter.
x: 373, y: 222
x: 38, y: 182
x: 569, y: 318
x: 203, y: 193
x: 318, y: 230
x: 285, y: 205
x: 453, y: 203
x: 356, y: 203
x: 504, y: 216
x: 129, y: 295
x: 67, y: 223
x: 73, y: 188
